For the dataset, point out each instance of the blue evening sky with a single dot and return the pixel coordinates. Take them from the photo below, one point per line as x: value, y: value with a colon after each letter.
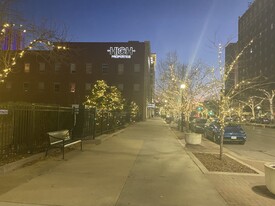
x: 185, y: 26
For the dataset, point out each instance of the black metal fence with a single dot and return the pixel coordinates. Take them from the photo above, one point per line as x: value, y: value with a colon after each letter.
x: 23, y: 128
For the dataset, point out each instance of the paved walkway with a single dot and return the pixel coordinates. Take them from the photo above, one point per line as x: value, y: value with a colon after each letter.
x: 236, y: 189
x: 144, y: 165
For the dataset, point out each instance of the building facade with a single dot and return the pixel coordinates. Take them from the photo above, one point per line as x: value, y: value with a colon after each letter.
x: 257, y: 28
x: 230, y: 55
x: 67, y: 77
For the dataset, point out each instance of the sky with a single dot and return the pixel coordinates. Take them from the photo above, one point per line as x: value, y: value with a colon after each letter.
x: 187, y: 27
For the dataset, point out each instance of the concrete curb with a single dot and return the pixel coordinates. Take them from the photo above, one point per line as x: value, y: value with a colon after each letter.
x: 20, y: 163
x: 205, y: 170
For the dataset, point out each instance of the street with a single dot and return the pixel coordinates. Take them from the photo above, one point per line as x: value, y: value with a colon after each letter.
x: 260, y: 144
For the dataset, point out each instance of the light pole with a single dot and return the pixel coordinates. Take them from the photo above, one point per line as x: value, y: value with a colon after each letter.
x: 182, y: 87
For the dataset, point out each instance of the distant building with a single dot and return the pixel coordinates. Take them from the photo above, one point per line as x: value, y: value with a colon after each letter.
x: 12, y: 38
x: 66, y: 80
x: 257, y: 24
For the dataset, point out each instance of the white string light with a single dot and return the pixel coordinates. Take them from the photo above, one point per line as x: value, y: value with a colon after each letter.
x: 5, y: 71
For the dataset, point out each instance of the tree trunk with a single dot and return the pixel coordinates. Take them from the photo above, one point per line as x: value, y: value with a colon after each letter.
x: 271, y: 111
x: 221, y: 142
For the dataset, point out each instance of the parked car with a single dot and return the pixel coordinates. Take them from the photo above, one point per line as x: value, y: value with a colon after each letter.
x: 233, y: 133
x: 212, y: 130
x: 197, y: 125
x: 263, y: 120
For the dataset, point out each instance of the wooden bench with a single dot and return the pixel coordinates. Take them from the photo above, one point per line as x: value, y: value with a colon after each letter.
x: 61, y: 139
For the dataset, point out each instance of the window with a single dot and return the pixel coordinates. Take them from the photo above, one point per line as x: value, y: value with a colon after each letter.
x: 88, y: 86
x: 105, y: 68
x: 27, y: 67
x: 136, y: 87
x: 42, y: 67
x: 120, y: 69
x: 57, y: 67
x: 89, y: 68
x: 120, y: 87
x: 73, y: 68
x: 56, y: 87
x: 137, y: 68
x: 271, y: 26
x: 72, y: 87
x: 41, y: 86
x: 8, y: 85
x: 26, y: 86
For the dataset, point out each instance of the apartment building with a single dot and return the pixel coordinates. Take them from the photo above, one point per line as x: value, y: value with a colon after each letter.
x: 257, y: 27
x: 67, y: 77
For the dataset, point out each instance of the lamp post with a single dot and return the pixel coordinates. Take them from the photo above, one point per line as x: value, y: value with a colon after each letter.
x: 182, y: 87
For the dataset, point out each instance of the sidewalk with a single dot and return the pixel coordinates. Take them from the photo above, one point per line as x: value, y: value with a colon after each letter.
x: 144, y: 165
x: 236, y: 189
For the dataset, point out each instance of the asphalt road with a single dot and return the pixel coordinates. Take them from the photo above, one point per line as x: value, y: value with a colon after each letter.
x: 260, y: 144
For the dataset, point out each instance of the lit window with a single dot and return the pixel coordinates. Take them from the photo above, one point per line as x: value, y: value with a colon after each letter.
x: 137, y: 68
x: 88, y: 86
x: 27, y: 67
x: 57, y: 67
x: 271, y: 26
x: 105, y: 68
x: 120, y: 69
x: 120, y: 87
x: 26, y: 86
x: 73, y: 68
x: 136, y: 87
x: 56, y: 87
x: 72, y: 87
x: 41, y: 85
x: 42, y: 66
x: 89, y: 68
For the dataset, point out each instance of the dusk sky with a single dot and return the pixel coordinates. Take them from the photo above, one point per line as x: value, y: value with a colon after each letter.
x: 184, y: 26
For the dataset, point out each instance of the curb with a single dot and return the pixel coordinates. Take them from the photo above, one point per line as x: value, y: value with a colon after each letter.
x: 20, y: 163
x: 205, y: 170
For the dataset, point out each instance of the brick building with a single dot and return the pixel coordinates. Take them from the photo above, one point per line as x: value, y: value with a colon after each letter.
x: 66, y: 78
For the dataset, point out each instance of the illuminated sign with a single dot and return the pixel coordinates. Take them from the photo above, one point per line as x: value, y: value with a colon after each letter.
x: 121, y: 52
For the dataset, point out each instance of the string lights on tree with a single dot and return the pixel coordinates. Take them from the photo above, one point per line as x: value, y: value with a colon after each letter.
x: 8, y: 62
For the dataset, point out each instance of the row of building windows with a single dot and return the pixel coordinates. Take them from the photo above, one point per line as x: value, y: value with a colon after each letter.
x: 88, y: 68
x: 72, y: 86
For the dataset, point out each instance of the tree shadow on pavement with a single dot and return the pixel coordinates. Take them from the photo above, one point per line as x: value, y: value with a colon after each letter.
x: 263, y: 191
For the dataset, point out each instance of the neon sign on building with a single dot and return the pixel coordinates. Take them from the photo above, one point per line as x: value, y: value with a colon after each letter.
x: 121, y: 52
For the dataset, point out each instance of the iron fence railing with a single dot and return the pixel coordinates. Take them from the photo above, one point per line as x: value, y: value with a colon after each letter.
x: 23, y: 128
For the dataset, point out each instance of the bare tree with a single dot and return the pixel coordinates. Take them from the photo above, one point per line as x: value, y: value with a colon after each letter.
x: 226, y: 96
x: 253, y: 102
x: 168, y: 84
x: 39, y: 37
x: 269, y: 97
x: 195, y: 81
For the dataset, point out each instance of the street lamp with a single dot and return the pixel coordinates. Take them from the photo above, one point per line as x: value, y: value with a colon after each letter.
x: 182, y: 87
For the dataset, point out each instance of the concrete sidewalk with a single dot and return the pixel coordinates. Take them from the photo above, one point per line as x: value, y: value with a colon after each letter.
x: 236, y: 189
x: 144, y: 165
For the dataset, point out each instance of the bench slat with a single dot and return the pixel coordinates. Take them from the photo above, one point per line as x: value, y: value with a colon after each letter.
x: 72, y: 143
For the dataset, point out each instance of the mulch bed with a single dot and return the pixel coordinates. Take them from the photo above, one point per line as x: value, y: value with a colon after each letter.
x: 213, y: 163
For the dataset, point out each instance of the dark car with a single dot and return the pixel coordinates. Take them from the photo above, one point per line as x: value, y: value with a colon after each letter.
x: 263, y: 120
x: 197, y: 125
x: 232, y: 133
